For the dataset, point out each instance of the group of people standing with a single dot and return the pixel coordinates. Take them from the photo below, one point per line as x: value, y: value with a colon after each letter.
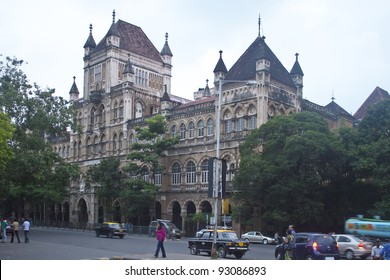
x: 380, y: 252
x: 15, y: 230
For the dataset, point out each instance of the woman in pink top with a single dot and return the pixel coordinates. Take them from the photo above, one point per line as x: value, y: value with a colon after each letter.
x: 161, y: 235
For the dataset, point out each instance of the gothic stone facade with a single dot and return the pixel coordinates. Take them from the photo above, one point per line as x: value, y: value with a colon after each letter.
x: 127, y: 80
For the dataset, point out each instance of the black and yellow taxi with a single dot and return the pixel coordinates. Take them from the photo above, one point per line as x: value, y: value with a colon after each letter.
x: 227, y: 243
x: 110, y: 229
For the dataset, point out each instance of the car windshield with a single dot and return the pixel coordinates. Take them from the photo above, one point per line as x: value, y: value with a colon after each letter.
x: 115, y: 226
x: 228, y: 235
x: 324, y: 239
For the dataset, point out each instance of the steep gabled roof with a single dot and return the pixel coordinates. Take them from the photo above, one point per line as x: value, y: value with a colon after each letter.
x: 336, y: 108
x: 377, y: 95
x: 132, y: 39
x: 245, y: 67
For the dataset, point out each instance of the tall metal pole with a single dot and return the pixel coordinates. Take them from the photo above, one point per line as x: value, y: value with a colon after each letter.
x: 216, y: 180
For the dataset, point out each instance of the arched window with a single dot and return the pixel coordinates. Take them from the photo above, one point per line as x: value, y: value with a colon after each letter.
x: 176, y: 174
x: 138, y: 110
x: 228, y: 123
x: 191, y: 173
x: 89, y: 147
x: 121, y: 109
x: 103, y: 143
x: 173, y: 131
x: 114, y: 142
x: 120, y: 141
x: 158, y: 178
x: 191, y: 130
x: 92, y: 116
x: 74, y: 149
x: 182, y: 131
x: 116, y: 111
x: 252, y: 116
x: 145, y: 174
x: 205, y: 171
x: 95, y: 144
x: 210, y: 127
x: 200, y: 128
x: 102, y: 115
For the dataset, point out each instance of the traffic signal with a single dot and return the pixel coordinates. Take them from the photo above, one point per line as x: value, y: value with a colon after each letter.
x: 211, y: 177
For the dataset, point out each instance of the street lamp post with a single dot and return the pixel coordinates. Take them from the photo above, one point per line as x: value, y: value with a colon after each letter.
x: 216, y: 179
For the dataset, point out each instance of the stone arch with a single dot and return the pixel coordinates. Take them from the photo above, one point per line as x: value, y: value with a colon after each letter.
x: 82, y: 211
x: 66, y: 211
x: 117, y: 209
x: 176, y: 214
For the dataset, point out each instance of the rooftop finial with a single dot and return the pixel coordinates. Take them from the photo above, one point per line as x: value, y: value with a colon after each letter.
x: 90, y: 29
x: 74, y: 79
x: 113, y: 16
x: 166, y: 37
x: 220, y: 54
x: 207, y: 82
x: 296, y: 56
x: 259, y: 24
x: 333, y: 98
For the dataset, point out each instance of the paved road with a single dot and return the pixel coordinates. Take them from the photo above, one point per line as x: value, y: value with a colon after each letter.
x: 54, y: 244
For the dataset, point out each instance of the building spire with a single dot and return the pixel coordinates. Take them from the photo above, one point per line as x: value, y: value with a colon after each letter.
x: 259, y: 24
x: 113, y: 16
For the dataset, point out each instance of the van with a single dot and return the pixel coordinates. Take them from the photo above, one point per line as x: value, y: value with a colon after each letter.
x: 173, y: 232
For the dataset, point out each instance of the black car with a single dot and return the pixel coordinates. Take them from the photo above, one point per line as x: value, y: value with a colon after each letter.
x: 311, y: 246
x: 110, y: 229
x: 227, y: 243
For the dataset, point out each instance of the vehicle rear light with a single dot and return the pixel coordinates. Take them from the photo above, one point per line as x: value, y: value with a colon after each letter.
x: 361, y: 246
x: 315, y: 246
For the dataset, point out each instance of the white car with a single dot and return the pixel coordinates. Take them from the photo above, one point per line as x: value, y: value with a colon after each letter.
x: 351, y: 246
x: 257, y: 237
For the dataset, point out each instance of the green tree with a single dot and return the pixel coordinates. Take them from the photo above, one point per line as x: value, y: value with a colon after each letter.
x: 286, y: 166
x: 36, y: 173
x: 6, y: 133
x: 146, y: 161
x: 109, y: 180
x: 373, y: 155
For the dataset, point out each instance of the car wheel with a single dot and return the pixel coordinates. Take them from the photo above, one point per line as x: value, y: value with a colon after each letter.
x: 308, y: 257
x: 121, y: 236
x: 265, y: 241
x: 246, y: 240
x: 238, y: 255
x: 193, y: 250
x: 278, y: 255
x: 349, y: 255
x: 221, y: 252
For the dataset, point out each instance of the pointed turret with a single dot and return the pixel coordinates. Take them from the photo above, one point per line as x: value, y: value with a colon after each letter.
x: 165, y: 102
x: 74, y: 91
x: 113, y: 36
x: 166, y: 56
x: 90, y: 44
x: 166, y: 50
x: 220, y: 69
x: 297, y: 73
x: 128, y: 72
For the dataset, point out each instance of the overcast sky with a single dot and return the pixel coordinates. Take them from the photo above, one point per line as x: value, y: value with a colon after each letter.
x: 343, y: 45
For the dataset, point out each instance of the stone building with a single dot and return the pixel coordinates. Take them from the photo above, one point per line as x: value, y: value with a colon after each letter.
x: 126, y: 80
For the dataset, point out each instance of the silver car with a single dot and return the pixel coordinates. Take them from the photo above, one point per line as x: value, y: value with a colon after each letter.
x: 257, y: 237
x: 351, y: 246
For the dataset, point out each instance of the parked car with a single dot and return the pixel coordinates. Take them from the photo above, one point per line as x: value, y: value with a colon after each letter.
x: 311, y: 246
x: 257, y: 237
x: 110, y: 229
x: 227, y: 243
x: 171, y: 229
x: 351, y: 246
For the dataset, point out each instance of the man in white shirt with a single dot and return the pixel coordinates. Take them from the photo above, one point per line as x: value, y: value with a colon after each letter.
x: 376, y: 250
x: 26, y: 230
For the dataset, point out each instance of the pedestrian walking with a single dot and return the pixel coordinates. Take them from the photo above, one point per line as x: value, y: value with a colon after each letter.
x: 15, y: 231
x: 288, y: 245
x: 3, y: 230
x: 161, y: 236
x: 385, y: 252
x: 26, y: 230
x: 376, y: 250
